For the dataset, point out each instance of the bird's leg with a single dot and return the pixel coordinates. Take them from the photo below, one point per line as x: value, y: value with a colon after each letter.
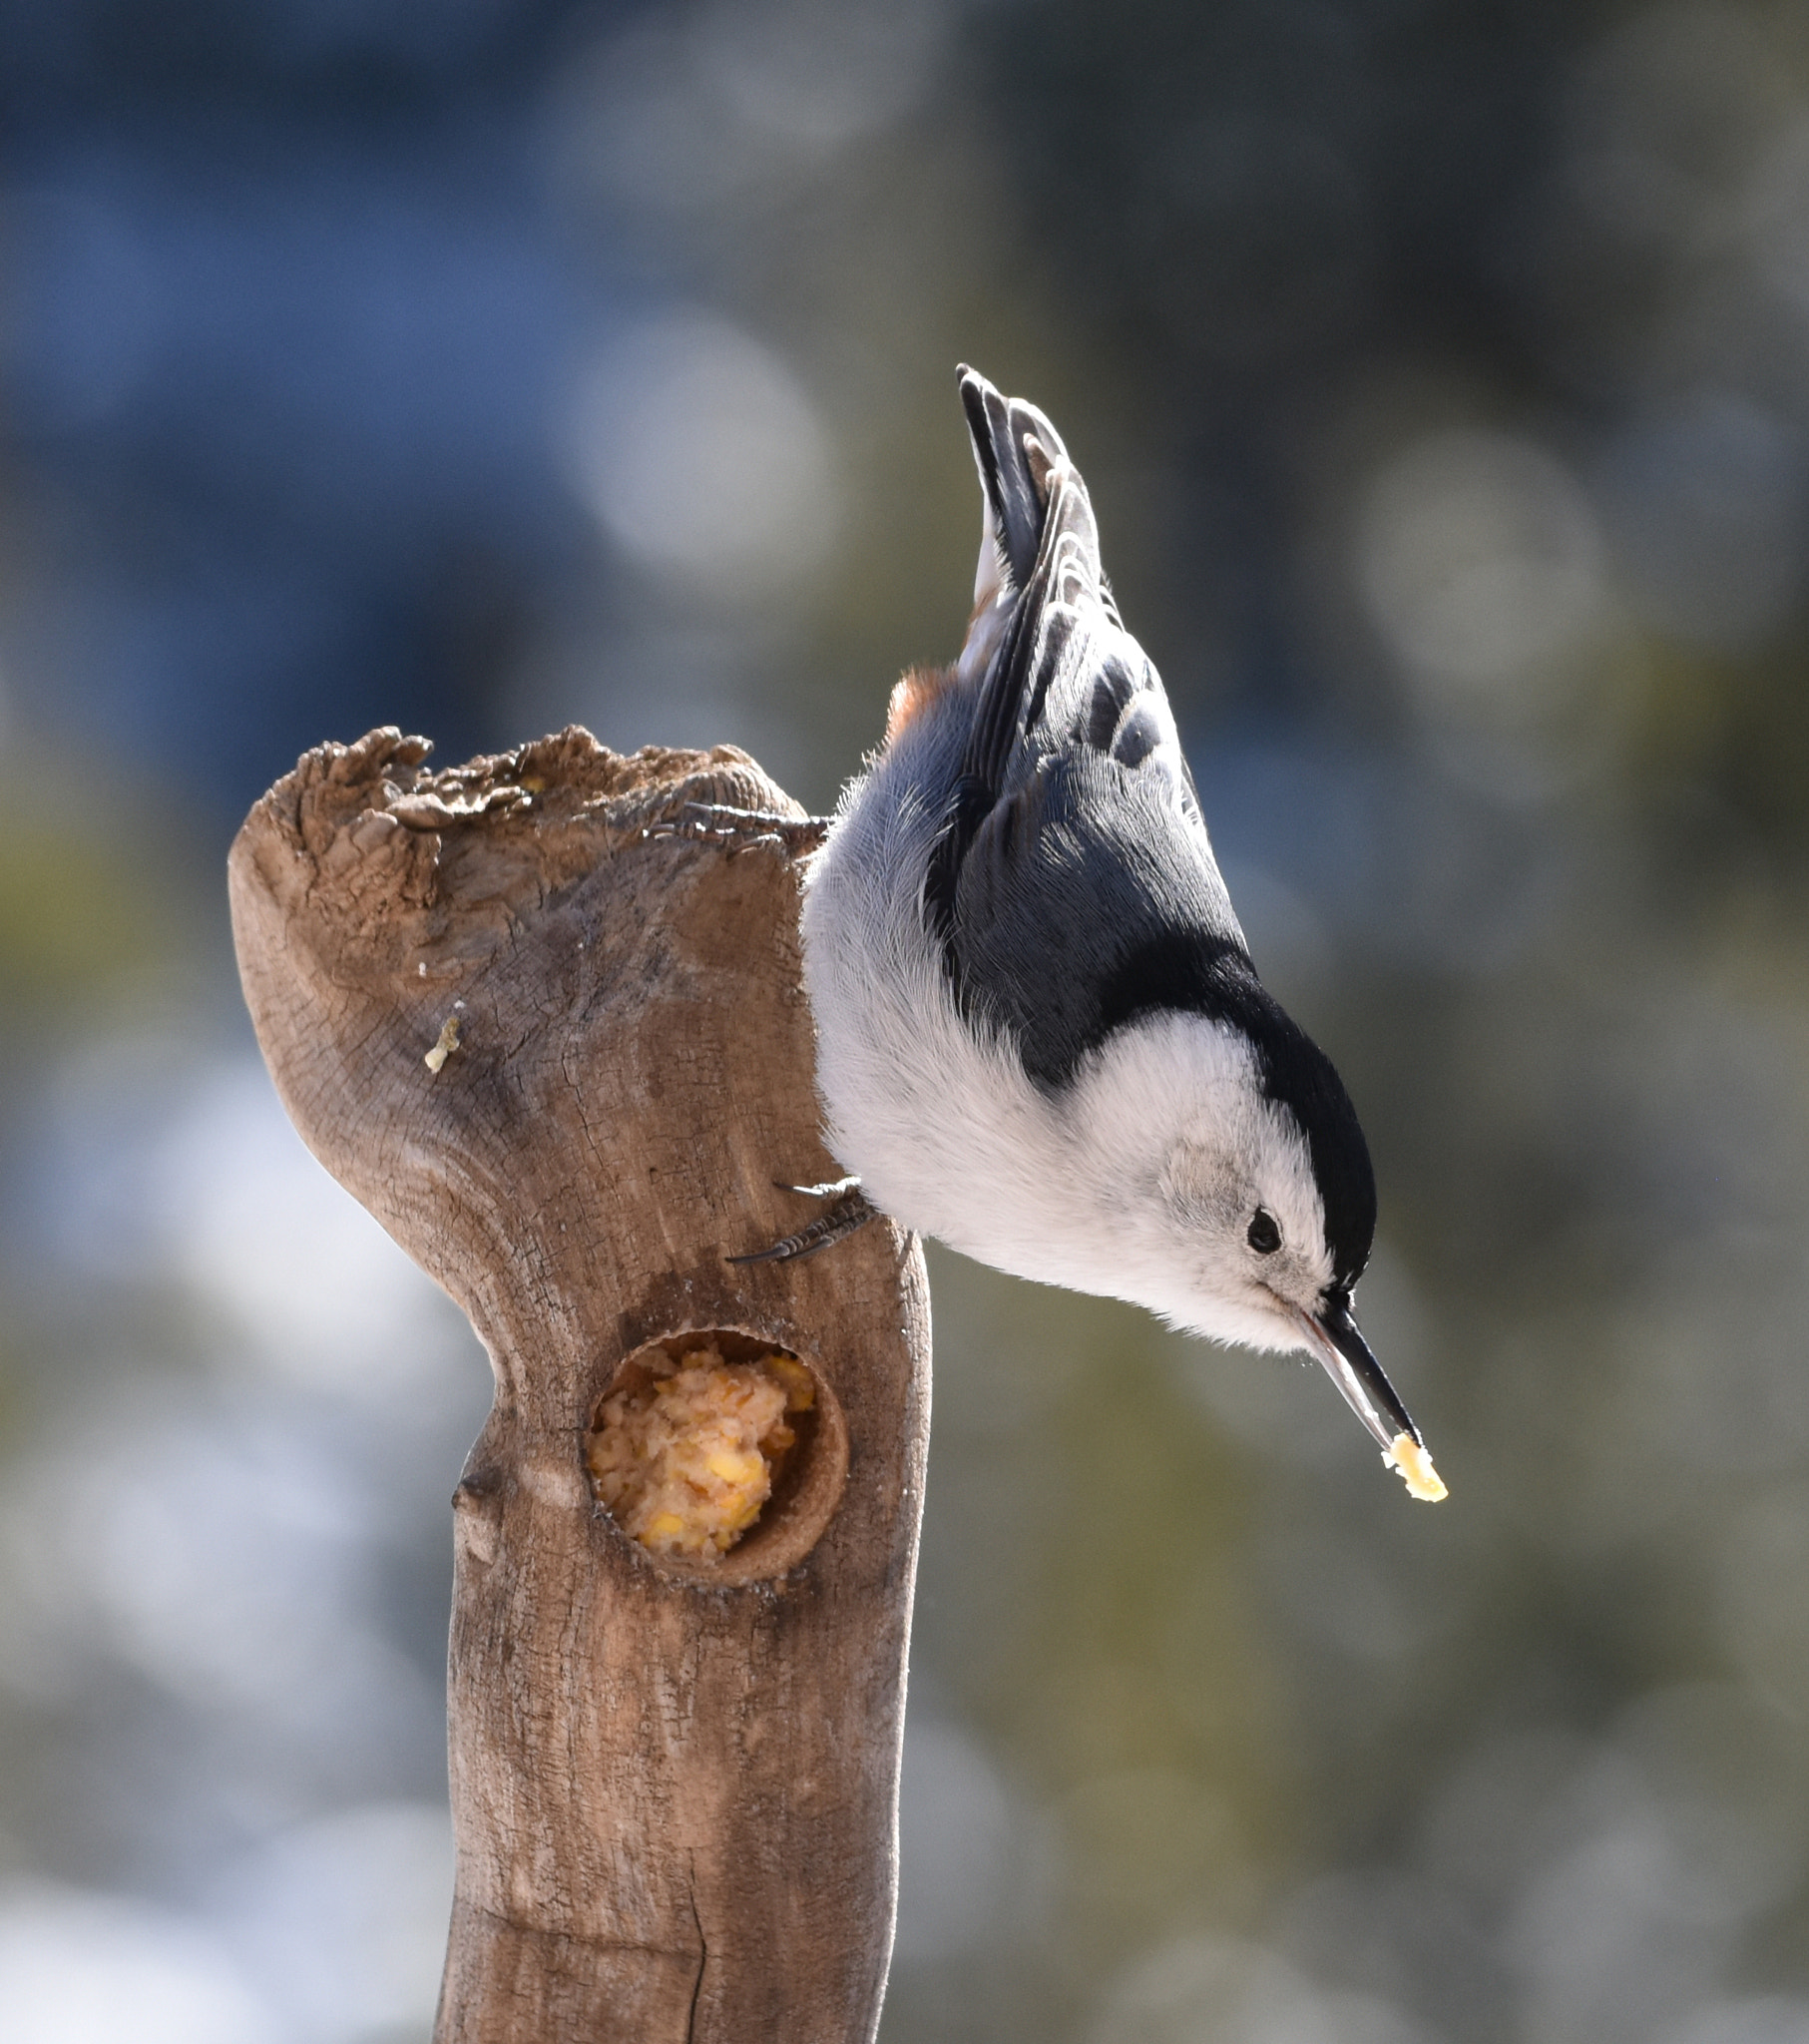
x: 715, y: 820
x: 851, y: 1211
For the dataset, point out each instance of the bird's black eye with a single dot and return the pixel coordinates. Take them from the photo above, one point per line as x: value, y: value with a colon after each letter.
x: 1264, y: 1237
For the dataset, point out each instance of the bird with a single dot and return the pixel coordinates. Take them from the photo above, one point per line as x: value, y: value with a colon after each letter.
x: 1041, y: 1037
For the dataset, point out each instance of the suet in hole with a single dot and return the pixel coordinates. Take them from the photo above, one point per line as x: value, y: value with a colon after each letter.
x: 721, y: 1455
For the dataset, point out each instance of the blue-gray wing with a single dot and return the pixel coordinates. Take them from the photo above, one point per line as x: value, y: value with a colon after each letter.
x: 1086, y: 900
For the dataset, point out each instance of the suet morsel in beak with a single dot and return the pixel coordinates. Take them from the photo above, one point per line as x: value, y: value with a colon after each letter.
x: 1337, y: 1340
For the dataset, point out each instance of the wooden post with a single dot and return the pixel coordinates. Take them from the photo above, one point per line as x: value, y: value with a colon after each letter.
x: 674, y: 1784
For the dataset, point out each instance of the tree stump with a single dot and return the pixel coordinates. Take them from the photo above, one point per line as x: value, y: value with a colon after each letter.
x: 673, y: 1783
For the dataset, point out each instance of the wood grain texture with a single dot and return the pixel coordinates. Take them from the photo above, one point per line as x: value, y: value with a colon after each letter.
x: 674, y: 1798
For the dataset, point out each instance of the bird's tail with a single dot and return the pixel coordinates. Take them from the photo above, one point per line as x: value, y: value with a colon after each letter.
x: 1001, y: 429
x: 1039, y: 540
x: 1034, y: 504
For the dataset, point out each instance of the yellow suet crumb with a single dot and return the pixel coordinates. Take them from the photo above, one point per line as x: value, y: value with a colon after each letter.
x: 1416, y: 1470
x: 447, y: 1044
x: 685, y: 1463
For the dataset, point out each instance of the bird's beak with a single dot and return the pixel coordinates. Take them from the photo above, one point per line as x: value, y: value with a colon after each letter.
x: 1334, y: 1337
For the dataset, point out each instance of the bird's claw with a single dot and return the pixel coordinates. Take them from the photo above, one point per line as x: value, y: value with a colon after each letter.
x: 853, y: 1211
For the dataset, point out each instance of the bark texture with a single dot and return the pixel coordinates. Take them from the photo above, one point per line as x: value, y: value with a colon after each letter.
x: 673, y: 1793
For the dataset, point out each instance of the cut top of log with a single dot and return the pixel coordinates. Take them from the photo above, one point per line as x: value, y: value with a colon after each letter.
x: 432, y: 960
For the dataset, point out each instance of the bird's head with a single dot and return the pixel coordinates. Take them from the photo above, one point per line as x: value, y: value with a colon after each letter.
x: 1258, y: 1204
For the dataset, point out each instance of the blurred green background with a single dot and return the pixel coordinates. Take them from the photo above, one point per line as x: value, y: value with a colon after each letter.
x: 1441, y: 370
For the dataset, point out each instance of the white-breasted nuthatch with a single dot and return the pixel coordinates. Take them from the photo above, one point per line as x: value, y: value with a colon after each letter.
x: 1040, y: 1035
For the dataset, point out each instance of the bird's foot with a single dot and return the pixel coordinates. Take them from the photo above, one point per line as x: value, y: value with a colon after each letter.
x: 851, y: 1211
x: 716, y: 822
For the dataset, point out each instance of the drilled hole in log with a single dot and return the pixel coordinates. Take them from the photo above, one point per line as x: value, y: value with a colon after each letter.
x: 719, y: 1454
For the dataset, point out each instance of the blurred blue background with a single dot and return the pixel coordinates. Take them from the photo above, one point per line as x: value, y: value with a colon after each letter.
x: 1441, y: 370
